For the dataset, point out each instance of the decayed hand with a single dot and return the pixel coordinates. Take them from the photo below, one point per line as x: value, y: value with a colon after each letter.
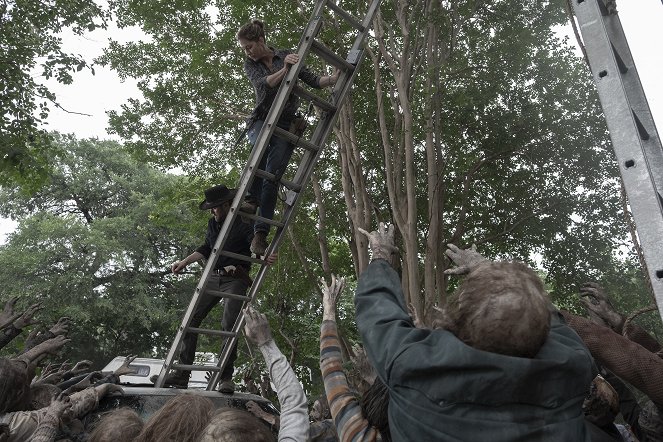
x: 8, y: 315
x: 27, y: 318
x: 592, y: 289
x: 465, y: 260
x: 52, y: 375
x: 124, y: 368
x: 61, y: 327
x: 381, y: 241
x: 59, y: 405
x: 81, y: 367
x: 54, y: 345
x: 45, y: 373
x: 330, y: 296
x: 256, y: 327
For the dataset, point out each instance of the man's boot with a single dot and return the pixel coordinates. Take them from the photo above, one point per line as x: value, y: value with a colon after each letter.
x: 249, y: 205
x: 259, y: 243
x: 175, y: 379
x: 227, y: 386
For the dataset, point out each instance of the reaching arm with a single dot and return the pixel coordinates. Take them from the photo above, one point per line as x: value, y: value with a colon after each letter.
x: 345, y: 409
x: 50, y: 346
x: 382, y: 318
x: 181, y: 265
x: 294, y: 415
x: 8, y: 334
x: 50, y: 422
x: 626, y: 359
x: 351, y: 425
x: 22, y: 321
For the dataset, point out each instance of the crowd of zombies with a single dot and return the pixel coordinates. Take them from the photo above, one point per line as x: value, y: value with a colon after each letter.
x: 498, y: 362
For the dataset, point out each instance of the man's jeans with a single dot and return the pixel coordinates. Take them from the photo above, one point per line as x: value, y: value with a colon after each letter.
x: 230, y: 312
x: 275, y: 160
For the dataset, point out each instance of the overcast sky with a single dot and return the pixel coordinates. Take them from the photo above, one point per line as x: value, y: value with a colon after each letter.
x: 94, y: 95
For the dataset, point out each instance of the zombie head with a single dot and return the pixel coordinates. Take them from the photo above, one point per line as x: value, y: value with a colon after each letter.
x: 121, y: 424
x: 182, y: 419
x: 232, y: 425
x: 500, y: 307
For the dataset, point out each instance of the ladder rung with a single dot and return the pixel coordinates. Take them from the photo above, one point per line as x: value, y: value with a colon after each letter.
x: 270, y: 176
x: 620, y: 61
x: 195, y: 367
x: 294, y: 139
x: 346, y: 16
x: 241, y: 257
x: 271, y: 222
x: 333, y: 59
x: 207, y: 331
x: 220, y: 294
x: 309, y: 96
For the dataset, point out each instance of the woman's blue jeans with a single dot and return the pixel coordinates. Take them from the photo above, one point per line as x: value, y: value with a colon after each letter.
x: 274, y: 161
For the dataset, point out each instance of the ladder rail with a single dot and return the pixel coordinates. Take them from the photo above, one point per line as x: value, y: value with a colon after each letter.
x: 632, y: 129
x: 312, y: 151
x: 321, y: 133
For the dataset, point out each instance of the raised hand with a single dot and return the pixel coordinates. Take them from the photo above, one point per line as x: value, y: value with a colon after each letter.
x: 256, y: 327
x: 599, y: 307
x: 330, y: 296
x: 593, y: 291
x: 61, y: 327
x: 52, y: 346
x: 52, y: 375
x: 27, y: 317
x: 59, y: 405
x: 8, y: 315
x: 381, y: 241
x: 124, y: 368
x: 465, y: 260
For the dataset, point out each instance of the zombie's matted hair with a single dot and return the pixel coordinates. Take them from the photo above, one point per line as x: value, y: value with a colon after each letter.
x: 181, y: 419
x: 232, y: 425
x: 123, y: 424
x: 501, y: 307
x: 375, y: 406
x: 252, y: 30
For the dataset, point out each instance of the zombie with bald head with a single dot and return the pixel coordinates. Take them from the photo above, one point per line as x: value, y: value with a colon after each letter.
x: 503, y: 366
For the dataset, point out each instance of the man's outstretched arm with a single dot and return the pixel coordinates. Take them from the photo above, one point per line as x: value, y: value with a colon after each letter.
x: 382, y: 317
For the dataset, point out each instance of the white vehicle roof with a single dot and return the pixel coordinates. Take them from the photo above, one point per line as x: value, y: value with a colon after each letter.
x: 148, y: 367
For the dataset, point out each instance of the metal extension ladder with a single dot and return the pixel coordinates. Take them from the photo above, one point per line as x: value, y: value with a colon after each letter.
x: 632, y: 129
x: 312, y: 149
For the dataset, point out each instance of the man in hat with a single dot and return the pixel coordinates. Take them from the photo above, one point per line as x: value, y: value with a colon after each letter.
x: 232, y: 275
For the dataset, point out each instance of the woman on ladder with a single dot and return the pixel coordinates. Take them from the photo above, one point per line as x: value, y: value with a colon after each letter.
x: 266, y: 67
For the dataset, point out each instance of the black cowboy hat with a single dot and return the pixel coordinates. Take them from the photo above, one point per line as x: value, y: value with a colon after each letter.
x: 217, y: 195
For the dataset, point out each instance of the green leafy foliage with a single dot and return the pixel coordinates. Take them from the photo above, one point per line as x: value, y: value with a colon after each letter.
x: 492, y: 118
x: 30, y: 49
x: 96, y: 243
